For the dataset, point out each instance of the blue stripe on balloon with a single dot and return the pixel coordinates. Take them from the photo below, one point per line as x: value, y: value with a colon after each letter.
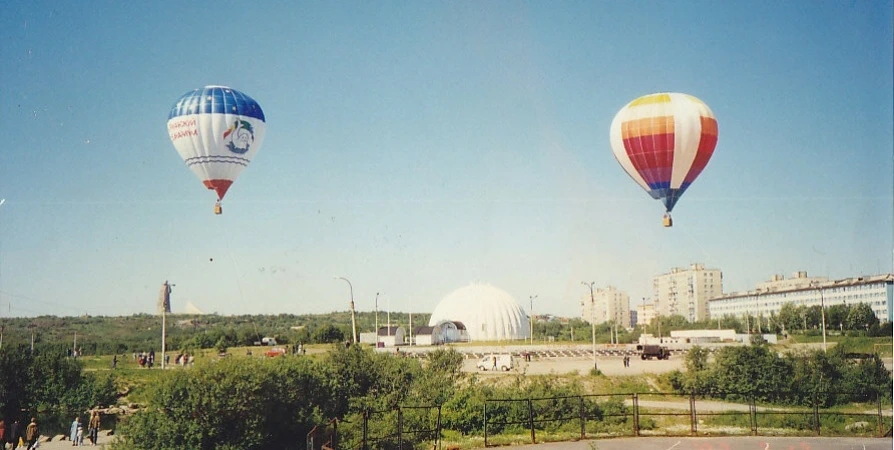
x: 216, y: 100
x: 216, y: 159
x: 668, y: 196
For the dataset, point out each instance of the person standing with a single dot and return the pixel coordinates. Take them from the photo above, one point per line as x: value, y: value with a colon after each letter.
x: 93, y: 427
x: 32, y: 433
x: 73, y: 431
x: 12, y: 436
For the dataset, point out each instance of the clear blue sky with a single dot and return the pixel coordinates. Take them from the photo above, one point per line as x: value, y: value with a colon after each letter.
x: 415, y: 147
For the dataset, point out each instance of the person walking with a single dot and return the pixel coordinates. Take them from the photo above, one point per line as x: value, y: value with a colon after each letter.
x: 32, y: 433
x: 93, y: 427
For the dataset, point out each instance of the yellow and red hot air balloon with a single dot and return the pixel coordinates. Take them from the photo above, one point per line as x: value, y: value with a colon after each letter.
x: 664, y: 141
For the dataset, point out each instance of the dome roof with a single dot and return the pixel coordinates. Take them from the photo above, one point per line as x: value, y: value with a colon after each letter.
x: 489, y: 313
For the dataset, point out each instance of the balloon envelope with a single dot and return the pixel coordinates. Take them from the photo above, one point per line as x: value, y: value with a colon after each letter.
x: 664, y: 141
x: 217, y: 131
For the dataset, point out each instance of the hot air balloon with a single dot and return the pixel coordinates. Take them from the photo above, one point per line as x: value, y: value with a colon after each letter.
x: 217, y: 131
x: 664, y: 141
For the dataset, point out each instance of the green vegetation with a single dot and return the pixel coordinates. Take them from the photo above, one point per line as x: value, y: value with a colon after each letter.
x: 50, y: 386
x: 142, y: 332
x: 796, y: 378
x: 242, y: 401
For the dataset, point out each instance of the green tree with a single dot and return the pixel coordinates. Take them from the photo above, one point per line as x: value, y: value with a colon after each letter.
x: 246, y: 404
x: 789, y: 317
x: 860, y: 317
x: 328, y: 333
x: 836, y: 316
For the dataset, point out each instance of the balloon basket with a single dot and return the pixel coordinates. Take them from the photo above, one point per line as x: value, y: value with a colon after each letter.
x: 667, y: 221
x: 218, y: 210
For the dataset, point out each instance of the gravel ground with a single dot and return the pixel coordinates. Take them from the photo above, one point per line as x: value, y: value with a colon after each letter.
x: 611, y: 366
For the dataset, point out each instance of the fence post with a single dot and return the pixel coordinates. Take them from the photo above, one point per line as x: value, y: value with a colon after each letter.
x: 693, y: 419
x: 531, y: 421
x: 365, y: 441
x: 400, y: 428
x: 881, y: 428
x: 583, y: 419
x: 636, y: 414
x: 752, y: 414
x: 310, y: 439
x: 334, y: 434
x: 438, y: 436
x: 816, y: 417
x: 485, y: 423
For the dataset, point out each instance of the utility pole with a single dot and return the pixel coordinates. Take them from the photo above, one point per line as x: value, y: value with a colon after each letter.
x: 531, y: 298
x: 377, y: 319
x: 31, y: 327
x: 593, y: 321
x: 823, y: 312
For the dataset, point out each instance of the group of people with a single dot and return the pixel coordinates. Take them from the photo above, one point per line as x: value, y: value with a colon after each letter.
x: 145, y: 360
x: 13, y: 436
x: 626, y: 361
x: 76, y: 434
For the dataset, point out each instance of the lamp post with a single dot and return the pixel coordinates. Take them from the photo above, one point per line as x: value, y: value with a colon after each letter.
x: 353, y: 319
x: 531, y: 298
x: 593, y: 321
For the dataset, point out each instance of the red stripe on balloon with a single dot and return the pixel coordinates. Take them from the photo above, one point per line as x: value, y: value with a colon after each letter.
x: 219, y: 186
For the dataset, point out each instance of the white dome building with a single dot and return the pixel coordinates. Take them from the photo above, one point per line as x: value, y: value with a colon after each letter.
x: 488, y: 313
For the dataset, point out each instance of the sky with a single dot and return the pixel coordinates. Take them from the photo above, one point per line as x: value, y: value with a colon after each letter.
x: 417, y: 147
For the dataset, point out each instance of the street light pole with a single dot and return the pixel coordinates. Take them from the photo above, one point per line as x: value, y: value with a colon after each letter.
x: 532, y: 297
x: 593, y: 321
x: 353, y: 319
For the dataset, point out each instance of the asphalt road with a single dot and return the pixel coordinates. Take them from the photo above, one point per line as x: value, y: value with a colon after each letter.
x: 720, y: 443
x: 669, y: 443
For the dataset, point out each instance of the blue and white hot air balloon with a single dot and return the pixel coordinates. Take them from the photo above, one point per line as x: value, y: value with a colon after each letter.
x: 217, y: 131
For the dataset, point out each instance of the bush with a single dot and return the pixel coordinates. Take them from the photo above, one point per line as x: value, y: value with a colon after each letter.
x: 246, y: 403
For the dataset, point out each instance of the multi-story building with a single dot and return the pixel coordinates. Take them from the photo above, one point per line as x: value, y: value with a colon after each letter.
x: 686, y: 292
x: 645, y: 313
x: 634, y: 318
x: 768, y: 297
x: 608, y: 304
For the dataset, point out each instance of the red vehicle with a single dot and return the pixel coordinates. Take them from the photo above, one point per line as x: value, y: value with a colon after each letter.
x: 275, y: 351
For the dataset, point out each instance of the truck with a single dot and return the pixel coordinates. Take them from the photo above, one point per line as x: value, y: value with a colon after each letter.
x: 653, y: 351
x: 502, y: 362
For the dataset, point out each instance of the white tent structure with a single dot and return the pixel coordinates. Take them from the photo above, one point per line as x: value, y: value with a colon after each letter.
x: 488, y: 313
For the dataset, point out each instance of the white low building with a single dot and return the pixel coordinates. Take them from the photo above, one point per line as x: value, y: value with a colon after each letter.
x: 426, y: 335
x: 392, y: 336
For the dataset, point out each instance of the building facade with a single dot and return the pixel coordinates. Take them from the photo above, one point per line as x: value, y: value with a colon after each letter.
x: 608, y: 304
x: 645, y: 313
x: 686, y: 292
x: 768, y: 297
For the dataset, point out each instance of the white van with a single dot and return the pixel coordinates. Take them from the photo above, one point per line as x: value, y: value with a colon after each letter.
x: 496, y: 362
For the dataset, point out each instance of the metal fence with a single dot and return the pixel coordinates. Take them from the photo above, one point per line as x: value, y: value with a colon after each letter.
x: 511, y: 420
